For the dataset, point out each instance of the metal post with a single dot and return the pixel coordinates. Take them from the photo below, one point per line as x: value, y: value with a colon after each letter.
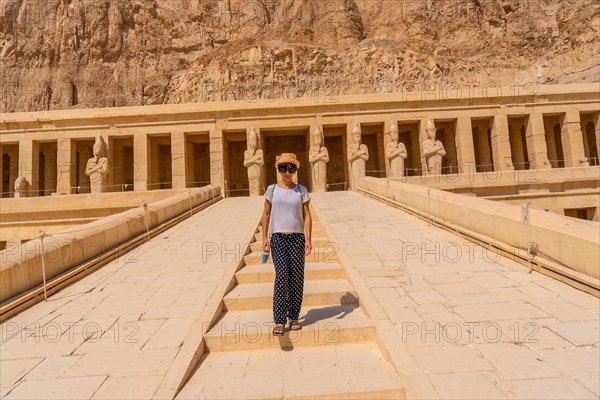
x: 526, y: 219
x: 145, y: 205
x: 42, y: 235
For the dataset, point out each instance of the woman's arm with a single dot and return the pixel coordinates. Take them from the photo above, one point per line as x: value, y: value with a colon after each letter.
x: 266, y: 217
x: 307, y: 228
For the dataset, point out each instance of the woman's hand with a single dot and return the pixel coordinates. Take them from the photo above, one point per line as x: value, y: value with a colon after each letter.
x: 265, y: 246
x: 307, y: 248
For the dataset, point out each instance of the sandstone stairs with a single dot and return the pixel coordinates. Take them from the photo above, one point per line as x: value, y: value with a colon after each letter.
x: 334, y: 356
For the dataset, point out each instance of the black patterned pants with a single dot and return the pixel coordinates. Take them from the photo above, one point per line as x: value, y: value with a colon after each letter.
x: 288, y: 257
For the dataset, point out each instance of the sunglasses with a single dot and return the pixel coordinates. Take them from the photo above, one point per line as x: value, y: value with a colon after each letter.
x: 286, y: 167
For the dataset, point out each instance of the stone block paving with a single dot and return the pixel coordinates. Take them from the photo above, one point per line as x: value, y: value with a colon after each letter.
x: 115, y: 333
x: 478, y: 325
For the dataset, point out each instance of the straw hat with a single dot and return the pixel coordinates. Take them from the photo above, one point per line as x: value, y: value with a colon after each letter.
x: 287, y: 158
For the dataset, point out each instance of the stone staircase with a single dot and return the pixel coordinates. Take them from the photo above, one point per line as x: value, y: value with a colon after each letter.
x: 334, y: 356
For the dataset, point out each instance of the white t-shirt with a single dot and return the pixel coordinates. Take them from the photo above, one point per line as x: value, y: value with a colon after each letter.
x: 286, y: 208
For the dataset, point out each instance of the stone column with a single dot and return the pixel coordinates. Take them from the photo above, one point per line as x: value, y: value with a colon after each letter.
x: 536, y: 142
x: 597, y: 134
x: 2, y: 170
x: 2, y: 188
x: 140, y: 161
x: 106, y: 134
x: 422, y: 138
x: 65, y: 165
x: 113, y: 162
x: 29, y: 154
x: 217, y: 159
x: 572, y: 140
x: 501, y: 154
x: 465, y: 150
x: 349, y: 140
x: 178, y: 160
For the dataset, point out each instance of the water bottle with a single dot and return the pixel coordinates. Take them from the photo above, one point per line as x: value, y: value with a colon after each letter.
x: 265, y: 257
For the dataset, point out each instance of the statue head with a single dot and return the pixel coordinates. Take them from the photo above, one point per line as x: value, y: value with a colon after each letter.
x: 430, y: 129
x: 252, y: 140
x: 318, y: 137
x: 356, y: 134
x: 394, y: 131
x: 97, y: 149
x: 21, y: 184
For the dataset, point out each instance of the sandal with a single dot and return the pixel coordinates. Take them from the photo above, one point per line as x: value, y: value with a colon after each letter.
x: 295, y: 325
x: 279, y: 330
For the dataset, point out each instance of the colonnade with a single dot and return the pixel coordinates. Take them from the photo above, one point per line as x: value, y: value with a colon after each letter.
x: 164, y: 151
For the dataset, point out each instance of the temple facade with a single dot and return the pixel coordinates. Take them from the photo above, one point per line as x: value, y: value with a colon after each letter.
x: 337, y: 140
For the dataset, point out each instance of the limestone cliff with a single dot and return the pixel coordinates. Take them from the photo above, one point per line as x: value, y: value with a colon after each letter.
x: 59, y: 54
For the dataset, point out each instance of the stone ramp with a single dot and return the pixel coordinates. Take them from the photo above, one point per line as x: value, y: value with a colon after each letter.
x: 335, y: 355
x: 453, y: 325
x: 457, y: 320
x: 118, y: 332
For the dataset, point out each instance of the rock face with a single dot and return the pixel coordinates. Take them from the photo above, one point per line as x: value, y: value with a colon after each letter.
x: 59, y: 54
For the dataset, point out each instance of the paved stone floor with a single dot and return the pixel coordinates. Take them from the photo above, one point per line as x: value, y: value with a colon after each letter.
x: 466, y: 323
x: 476, y: 324
x: 115, y: 333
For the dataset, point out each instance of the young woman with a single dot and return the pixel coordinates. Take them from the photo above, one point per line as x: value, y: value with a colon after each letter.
x: 287, y: 223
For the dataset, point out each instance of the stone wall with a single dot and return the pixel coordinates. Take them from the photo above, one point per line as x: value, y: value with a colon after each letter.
x: 22, y: 219
x: 516, y: 130
x: 560, y: 190
x: 107, y: 53
x: 573, y: 243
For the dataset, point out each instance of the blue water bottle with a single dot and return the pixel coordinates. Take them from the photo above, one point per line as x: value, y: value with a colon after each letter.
x: 265, y: 257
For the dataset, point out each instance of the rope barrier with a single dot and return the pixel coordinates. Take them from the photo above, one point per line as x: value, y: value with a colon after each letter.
x: 337, y: 184
x: 205, y: 183
x: 238, y: 190
x: 454, y: 168
x: 77, y: 272
x: 125, y: 187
